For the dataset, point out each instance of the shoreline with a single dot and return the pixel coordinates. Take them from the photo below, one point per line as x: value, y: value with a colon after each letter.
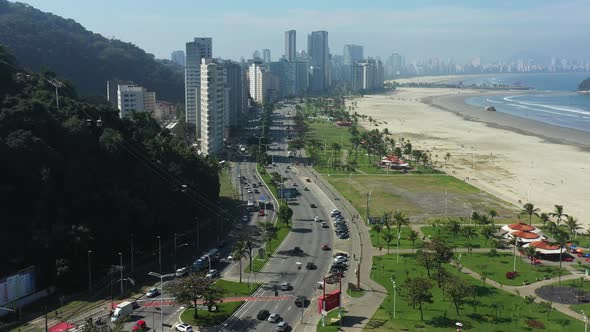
x: 515, y: 159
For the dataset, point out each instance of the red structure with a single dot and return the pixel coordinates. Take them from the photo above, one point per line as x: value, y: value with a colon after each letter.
x: 329, y: 301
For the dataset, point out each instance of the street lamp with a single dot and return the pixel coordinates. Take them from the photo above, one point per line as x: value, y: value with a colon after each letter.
x: 160, y: 252
x: 585, y: 321
x: 394, y: 295
x: 162, y: 276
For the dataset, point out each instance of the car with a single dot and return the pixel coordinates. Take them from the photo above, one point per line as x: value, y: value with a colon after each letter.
x: 282, y: 326
x: 324, y: 224
x: 245, y: 218
x: 181, y: 272
x: 311, y: 266
x: 135, y: 304
x: 294, y: 184
x: 305, y: 189
x: 274, y: 317
x: 263, y: 314
x: 212, y: 274
x: 288, y: 167
x: 184, y: 328
x: 317, y: 219
x: 261, y: 213
x: 254, y: 185
x: 230, y: 258
x: 568, y: 259
x: 313, y: 206
x: 340, y: 259
x: 308, y: 180
x: 325, y: 247
x: 297, y: 251
x: 343, y: 254
x: 152, y: 292
x: 300, y: 301
x: 250, y: 191
x: 343, y: 236
x: 140, y: 325
x: 256, y: 191
x: 341, y: 229
x: 285, y: 286
x: 260, y: 184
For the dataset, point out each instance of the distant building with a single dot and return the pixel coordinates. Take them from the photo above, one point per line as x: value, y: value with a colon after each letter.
x: 164, y: 111
x: 214, y: 106
x: 290, y: 45
x: 196, y: 50
x: 293, y: 77
x: 178, y: 57
x: 256, y: 55
x: 352, y: 54
x: 133, y: 98
x: 266, y: 55
x: 238, y: 98
x: 395, y: 65
x: 367, y: 75
x: 318, y: 53
x: 112, y: 90
x: 258, y: 82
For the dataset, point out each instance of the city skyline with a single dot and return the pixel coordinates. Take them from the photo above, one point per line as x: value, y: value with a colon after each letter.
x: 417, y: 30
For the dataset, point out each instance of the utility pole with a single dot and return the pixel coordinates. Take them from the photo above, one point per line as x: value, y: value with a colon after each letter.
x: 160, y: 252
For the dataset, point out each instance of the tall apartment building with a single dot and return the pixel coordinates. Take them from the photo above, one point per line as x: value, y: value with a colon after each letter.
x: 178, y: 57
x: 214, y: 106
x: 292, y: 77
x: 112, y: 90
x: 258, y: 82
x: 266, y: 55
x: 367, y: 75
x: 290, y: 45
x: 131, y: 98
x: 238, y: 99
x: 352, y: 54
x: 317, y: 51
x: 196, y: 50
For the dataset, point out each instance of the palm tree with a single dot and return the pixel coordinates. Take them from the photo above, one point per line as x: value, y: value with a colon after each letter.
x: 493, y: 214
x: 514, y: 242
x: 561, y: 241
x: 454, y: 227
x: 558, y: 213
x: 488, y: 233
x: 572, y: 225
x: 530, y: 209
x: 413, y: 236
x: 475, y: 216
x: 400, y: 220
x: 377, y: 229
x: 544, y: 218
x: 530, y: 299
x: 531, y: 252
x: 552, y: 228
x: 469, y: 233
x: 240, y: 251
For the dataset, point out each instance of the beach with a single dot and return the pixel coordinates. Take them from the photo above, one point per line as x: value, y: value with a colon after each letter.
x: 516, y: 159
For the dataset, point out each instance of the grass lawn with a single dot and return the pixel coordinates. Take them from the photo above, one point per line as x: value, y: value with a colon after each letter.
x: 459, y: 241
x: 421, y: 197
x: 206, y: 318
x: 235, y: 289
x: 490, y: 310
x: 355, y: 293
x: 330, y: 327
x: 404, y: 243
x: 226, y: 189
x: 496, y: 268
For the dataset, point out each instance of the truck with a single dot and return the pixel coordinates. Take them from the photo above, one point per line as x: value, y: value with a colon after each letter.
x: 251, y: 205
x: 212, y: 256
x: 123, y: 309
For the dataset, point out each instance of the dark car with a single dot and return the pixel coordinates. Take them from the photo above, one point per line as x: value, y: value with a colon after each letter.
x: 343, y: 236
x: 297, y: 251
x: 263, y: 314
x: 313, y: 206
x: 300, y: 301
x: 311, y: 266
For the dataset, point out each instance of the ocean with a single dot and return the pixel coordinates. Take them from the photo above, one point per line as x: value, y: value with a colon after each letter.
x: 553, y: 100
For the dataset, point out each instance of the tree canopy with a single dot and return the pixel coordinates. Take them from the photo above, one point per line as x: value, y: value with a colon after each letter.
x: 39, y: 39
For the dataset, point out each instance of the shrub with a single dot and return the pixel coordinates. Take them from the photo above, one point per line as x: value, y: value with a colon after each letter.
x: 493, y: 253
x: 536, y: 324
x: 511, y: 274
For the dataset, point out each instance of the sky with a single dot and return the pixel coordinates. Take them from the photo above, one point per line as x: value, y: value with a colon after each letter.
x: 458, y: 30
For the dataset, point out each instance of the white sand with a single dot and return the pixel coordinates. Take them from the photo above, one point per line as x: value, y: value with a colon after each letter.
x: 511, y: 165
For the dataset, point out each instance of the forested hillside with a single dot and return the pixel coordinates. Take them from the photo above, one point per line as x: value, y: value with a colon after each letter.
x: 79, y: 178
x: 39, y: 39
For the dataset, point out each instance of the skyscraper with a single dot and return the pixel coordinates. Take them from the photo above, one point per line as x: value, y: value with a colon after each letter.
x: 317, y: 51
x: 258, y: 82
x: 196, y: 50
x: 214, y: 106
x: 178, y: 57
x: 235, y: 81
x: 266, y: 55
x: 352, y: 54
x: 290, y: 45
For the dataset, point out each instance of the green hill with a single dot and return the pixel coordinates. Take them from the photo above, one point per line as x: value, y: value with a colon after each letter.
x: 70, y: 183
x: 38, y: 39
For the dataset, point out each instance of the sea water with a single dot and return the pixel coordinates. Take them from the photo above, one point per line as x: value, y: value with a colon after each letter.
x: 553, y: 100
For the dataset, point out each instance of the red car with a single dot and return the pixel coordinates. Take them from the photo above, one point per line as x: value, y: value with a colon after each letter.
x: 325, y: 247
x: 261, y: 213
x: 140, y: 325
x: 568, y: 259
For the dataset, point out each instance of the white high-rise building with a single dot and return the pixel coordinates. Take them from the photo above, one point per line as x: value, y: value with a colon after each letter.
x: 214, y: 106
x: 131, y: 98
x: 196, y: 50
x: 258, y: 82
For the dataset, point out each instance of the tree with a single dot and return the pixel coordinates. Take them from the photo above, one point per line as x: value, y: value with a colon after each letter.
x: 514, y: 242
x: 419, y: 292
x: 544, y: 218
x: 454, y: 227
x: 572, y: 225
x: 269, y: 232
x: 547, y: 307
x: 442, y: 252
x: 560, y: 240
x: 493, y: 214
x: 488, y: 232
x: 211, y: 296
x: 190, y: 289
x: 400, y: 220
x: 426, y: 259
x: 531, y: 253
x: 285, y: 214
x: 239, y: 252
x: 388, y: 237
x: 531, y: 210
x: 413, y: 236
x: 558, y: 214
x: 458, y: 291
x: 377, y: 228
x: 530, y: 299
x: 469, y: 233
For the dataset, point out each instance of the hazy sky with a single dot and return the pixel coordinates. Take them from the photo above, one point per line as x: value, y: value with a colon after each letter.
x: 415, y: 28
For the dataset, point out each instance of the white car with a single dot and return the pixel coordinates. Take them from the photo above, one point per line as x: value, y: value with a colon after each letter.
x: 282, y: 326
x: 340, y: 259
x: 152, y: 292
x: 250, y: 191
x: 285, y: 286
x: 324, y: 224
x: 317, y: 219
x: 184, y: 328
x: 181, y: 272
x: 274, y: 317
x: 212, y: 274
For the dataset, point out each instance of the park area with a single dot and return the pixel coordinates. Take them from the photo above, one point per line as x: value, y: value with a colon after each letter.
x: 487, y: 309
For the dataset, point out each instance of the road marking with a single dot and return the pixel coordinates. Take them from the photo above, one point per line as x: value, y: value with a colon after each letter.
x: 289, y: 308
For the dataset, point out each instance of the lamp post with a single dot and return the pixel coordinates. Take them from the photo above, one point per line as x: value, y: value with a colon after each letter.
x: 585, y: 321
x: 160, y: 252
x: 89, y: 274
x: 394, y: 294
x: 162, y: 276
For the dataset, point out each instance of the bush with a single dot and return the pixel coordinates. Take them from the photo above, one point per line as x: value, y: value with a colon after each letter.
x: 511, y: 274
x: 536, y: 324
x: 493, y: 253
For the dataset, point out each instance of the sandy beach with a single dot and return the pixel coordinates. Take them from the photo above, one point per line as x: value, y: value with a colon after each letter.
x: 516, y: 159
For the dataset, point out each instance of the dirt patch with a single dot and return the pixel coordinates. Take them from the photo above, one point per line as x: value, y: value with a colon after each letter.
x: 564, y: 295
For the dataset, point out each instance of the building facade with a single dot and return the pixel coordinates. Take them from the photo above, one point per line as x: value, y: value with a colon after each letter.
x: 236, y: 81
x: 196, y: 50
x: 131, y: 98
x: 352, y: 54
x: 258, y: 81
x: 290, y: 45
x: 178, y: 57
x: 367, y: 75
x: 266, y: 56
x: 317, y: 51
x: 214, y: 105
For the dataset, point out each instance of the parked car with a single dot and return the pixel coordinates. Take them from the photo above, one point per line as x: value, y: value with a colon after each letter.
x: 308, y: 180
x: 343, y: 236
x: 152, y: 292
x: 297, y: 251
x: 324, y: 224
x: 256, y: 191
x: 300, y: 301
x: 274, y: 317
x: 325, y: 247
x: 140, y: 325
x: 311, y: 266
x: 340, y: 259
x: 341, y: 254
x: 285, y: 286
x: 317, y: 219
x: 282, y: 326
x: 250, y: 191
x: 313, y: 206
x: 184, y: 328
x: 261, y: 213
x: 263, y: 315
x: 181, y: 272
x: 213, y: 273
